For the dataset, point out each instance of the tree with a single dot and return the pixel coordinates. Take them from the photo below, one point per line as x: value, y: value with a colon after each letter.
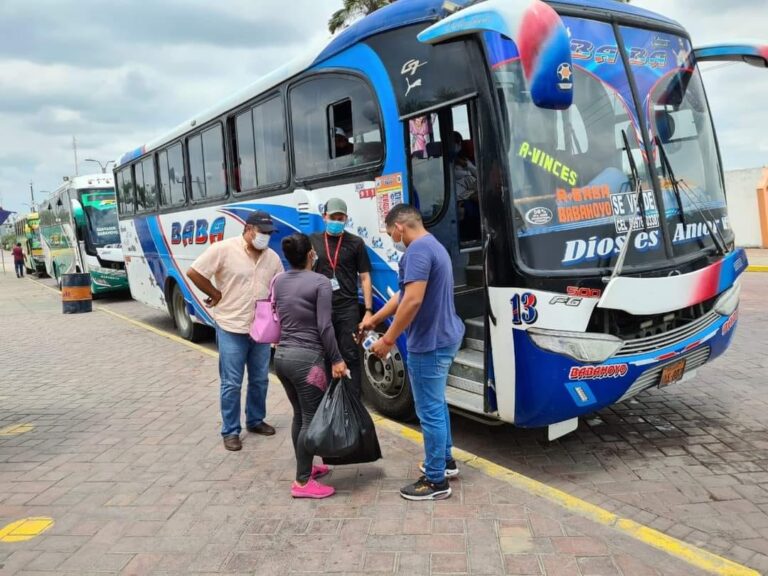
x: 351, y: 10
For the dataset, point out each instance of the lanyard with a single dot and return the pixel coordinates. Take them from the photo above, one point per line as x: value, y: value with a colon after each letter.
x: 335, y: 260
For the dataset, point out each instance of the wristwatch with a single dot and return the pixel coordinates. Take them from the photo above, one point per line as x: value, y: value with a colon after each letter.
x: 369, y: 310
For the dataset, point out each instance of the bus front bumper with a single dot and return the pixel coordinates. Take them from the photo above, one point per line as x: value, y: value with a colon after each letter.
x: 553, y: 387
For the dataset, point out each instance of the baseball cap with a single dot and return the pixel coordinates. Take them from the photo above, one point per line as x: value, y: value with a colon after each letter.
x: 262, y: 221
x: 336, y: 206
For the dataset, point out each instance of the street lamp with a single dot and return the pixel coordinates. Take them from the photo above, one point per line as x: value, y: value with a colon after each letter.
x: 102, y: 166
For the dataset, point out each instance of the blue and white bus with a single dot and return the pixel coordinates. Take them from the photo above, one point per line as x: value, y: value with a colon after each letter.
x: 563, y: 153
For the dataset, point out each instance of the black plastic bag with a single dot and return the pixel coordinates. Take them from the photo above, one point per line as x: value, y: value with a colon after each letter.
x: 334, y: 430
x: 368, y: 449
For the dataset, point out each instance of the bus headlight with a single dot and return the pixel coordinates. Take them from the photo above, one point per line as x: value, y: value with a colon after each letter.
x: 729, y: 301
x: 584, y: 347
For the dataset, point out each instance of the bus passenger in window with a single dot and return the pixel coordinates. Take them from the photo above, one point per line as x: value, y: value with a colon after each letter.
x: 342, y: 144
x: 307, y: 347
x: 343, y: 259
x: 465, y: 179
x: 243, y: 268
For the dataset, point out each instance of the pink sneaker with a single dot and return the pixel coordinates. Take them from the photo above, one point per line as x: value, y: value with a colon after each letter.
x: 319, y: 470
x: 312, y: 489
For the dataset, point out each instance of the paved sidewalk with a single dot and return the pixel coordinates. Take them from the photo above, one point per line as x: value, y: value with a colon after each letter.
x: 122, y: 452
x: 757, y: 257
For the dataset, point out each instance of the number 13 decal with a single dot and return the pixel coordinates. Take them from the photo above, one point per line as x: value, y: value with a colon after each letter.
x: 524, y: 309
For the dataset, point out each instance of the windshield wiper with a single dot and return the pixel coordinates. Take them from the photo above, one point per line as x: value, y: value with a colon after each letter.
x: 717, y: 237
x: 670, y: 175
x: 638, y: 192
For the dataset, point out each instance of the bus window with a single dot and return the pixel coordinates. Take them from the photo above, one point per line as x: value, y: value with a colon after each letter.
x: 343, y: 108
x: 125, y: 191
x: 340, y: 122
x: 271, y: 149
x: 164, y: 185
x: 206, y: 165
x: 215, y: 168
x: 146, y: 190
x: 176, y: 175
x: 246, y: 154
x: 427, y: 169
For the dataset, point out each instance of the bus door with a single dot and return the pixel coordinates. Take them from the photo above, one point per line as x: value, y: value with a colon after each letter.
x: 444, y: 179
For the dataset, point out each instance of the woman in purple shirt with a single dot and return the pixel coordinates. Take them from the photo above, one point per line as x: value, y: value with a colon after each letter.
x: 307, y: 347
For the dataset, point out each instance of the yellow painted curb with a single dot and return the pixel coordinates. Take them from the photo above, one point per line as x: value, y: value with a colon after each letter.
x: 688, y: 553
x: 757, y: 268
x: 16, y: 429
x: 25, y: 529
x: 691, y: 554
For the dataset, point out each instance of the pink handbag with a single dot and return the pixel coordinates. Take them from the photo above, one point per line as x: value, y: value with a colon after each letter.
x: 266, y: 324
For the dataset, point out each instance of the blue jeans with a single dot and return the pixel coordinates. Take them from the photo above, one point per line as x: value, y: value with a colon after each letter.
x: 429, y: 373
x: 236, y: 351
x: 19, y: 268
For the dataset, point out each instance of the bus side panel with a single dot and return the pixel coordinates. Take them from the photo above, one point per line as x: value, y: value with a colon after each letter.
x: 143, y: 284
x: 516, y: 310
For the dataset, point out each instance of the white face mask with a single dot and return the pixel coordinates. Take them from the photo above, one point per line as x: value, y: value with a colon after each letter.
x: 400, y: 246
x: 260, y: 241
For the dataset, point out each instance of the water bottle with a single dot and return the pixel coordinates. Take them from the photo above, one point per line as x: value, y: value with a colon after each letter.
x: 369, y: 338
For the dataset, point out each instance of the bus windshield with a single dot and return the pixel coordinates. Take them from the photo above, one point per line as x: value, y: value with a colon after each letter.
x: 100, y: 210
x: 580, y: 177
x: 685, y: 149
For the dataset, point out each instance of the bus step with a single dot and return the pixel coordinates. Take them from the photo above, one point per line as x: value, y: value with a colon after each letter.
x: 474, y: 344
x: 474, y: 274
x: 475, y: 328
x: 468, y: 365
x: 466, y: 385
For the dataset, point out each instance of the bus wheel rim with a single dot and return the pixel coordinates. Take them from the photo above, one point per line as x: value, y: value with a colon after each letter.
x: 387, y: 377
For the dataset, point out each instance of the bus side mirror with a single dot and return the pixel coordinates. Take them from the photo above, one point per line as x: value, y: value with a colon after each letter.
x: 752, y: 54
x: 539, y: 34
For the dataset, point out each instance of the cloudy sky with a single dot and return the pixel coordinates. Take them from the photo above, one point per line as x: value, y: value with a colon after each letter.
x: 118, y: 74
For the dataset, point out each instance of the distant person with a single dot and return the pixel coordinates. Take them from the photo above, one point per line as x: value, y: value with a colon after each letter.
x: 307, y: 348
x: 242, y: 268
x: 343, y: 259
x: 18, y: 260
x: 424, y: 308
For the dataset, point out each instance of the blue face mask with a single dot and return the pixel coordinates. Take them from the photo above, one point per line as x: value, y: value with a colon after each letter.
x: 334, y: 227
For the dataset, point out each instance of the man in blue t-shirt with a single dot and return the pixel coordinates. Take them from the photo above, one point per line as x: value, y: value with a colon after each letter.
x: 424, y: 307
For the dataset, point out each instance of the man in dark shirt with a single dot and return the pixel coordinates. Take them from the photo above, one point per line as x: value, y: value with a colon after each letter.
x: 343, y: 258
x: 18, y: 260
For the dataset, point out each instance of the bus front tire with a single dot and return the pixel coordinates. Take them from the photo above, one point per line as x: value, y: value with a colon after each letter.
x: 386, y: 385
x: 187, y: 328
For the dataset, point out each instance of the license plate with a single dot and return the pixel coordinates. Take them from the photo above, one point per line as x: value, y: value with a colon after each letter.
x: 672, y: 373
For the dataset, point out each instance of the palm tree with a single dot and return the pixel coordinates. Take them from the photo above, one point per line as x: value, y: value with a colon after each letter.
x: 352, y: 9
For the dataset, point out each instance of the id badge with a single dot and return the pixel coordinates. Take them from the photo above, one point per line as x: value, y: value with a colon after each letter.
x: 335, y: 284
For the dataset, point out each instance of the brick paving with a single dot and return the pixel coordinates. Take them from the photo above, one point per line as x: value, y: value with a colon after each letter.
x: 124, y: 455
x: 690, y: 461
x: 757, y: 257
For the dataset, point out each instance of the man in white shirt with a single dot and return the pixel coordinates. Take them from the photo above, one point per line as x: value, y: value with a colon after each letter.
x: 242, y: 269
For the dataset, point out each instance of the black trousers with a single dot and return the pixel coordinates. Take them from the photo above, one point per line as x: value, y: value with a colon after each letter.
x: 304, y: 376
x: 346, y: 319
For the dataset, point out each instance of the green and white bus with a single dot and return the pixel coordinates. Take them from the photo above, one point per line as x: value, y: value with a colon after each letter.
x: 79, y: 233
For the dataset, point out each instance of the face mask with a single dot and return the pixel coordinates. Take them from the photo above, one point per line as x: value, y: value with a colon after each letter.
x: 400, y: 246
x: 260, y: 241
x: 457, y: 148
x: 334, y: 227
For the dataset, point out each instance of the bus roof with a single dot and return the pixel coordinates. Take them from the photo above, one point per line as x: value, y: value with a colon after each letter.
x: 87, y: 181
x: 396, y: 15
